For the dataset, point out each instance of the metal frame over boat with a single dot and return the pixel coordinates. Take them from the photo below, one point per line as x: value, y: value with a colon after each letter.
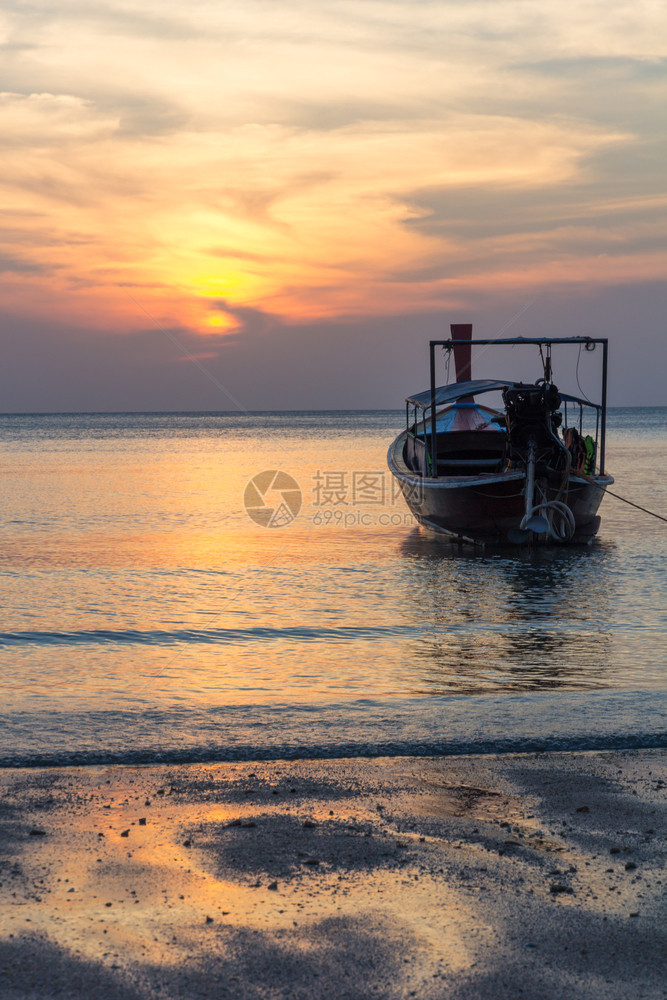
x: 528, y: 472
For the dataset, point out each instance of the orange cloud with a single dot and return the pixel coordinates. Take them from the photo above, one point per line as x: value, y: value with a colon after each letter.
x: 312, y: 163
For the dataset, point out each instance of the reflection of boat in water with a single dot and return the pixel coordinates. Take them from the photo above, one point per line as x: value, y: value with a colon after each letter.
x: 526, y: 619
x: 482, y: 474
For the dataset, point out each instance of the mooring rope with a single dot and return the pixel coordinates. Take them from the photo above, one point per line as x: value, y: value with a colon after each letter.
x: 616, y: 495
x: 638, y: 506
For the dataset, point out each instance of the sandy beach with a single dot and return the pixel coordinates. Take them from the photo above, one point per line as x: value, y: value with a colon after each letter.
x: 537, y: 876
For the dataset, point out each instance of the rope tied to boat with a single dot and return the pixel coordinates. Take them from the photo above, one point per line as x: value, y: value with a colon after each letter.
x: 617, y: 497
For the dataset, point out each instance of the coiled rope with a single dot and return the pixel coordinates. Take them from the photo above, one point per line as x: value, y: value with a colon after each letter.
x: 559, y: 518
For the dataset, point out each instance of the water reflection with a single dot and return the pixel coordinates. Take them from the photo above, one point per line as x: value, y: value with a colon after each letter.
x: 144, y: 612
x: 524, y: 620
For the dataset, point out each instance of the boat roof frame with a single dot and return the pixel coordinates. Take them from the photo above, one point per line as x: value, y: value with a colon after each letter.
x: 523, y: 340
x: 445, y: 394
x: 539, y: 341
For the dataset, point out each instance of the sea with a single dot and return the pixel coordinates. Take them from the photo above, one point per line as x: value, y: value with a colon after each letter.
x: 200, y: 587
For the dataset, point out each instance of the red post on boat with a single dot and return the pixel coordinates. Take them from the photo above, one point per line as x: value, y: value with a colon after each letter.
x: 462, y: 351
x: 462, y: 354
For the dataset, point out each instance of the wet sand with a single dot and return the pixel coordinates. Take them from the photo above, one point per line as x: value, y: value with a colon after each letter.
x: 537, y: 876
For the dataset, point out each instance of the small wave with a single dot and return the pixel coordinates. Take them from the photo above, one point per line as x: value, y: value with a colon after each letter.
x: 421, y: 727
x: 297, y: 633
x: 337, y: 751
x: 167, y: 637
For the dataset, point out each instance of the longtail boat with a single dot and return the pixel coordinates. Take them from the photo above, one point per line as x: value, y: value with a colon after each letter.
x: 531, y: 470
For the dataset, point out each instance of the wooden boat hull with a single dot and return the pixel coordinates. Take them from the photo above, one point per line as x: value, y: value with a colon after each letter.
x: 488, y: 507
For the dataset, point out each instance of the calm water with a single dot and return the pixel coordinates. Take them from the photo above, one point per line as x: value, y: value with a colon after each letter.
x: 146, y: 616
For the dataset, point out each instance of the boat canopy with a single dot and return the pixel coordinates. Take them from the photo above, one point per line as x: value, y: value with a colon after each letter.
x: 457, y: 390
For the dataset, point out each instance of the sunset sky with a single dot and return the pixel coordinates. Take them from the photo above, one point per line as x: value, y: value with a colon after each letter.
x: 275, y: 204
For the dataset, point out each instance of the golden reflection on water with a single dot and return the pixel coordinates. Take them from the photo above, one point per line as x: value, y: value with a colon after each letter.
x: 133, y: 575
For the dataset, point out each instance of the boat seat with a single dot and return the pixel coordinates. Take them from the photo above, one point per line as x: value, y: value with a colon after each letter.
x: 469, y: 463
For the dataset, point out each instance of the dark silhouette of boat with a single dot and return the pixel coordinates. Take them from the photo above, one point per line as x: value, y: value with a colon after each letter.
x: 529, y: 471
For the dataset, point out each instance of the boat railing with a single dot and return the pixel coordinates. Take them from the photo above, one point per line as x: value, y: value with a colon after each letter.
x: 581, y: 415
x: 418, y: 452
